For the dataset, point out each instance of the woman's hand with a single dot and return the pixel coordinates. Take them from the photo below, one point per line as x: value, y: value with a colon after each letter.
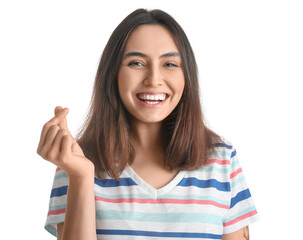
x: 58, y: 146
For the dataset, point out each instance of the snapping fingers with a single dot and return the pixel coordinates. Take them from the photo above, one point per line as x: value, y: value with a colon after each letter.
x: 47, y: 137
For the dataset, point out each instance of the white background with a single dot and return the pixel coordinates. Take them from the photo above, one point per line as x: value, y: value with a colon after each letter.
x: 250, y: 57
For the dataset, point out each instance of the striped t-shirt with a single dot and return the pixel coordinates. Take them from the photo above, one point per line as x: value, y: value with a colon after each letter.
x: 200, y: 204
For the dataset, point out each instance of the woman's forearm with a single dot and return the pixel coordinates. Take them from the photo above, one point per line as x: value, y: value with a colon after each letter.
x: 80, y: 219
x: 58, y: 146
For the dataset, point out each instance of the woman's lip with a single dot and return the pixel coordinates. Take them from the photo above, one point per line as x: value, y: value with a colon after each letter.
x: 156, y: 105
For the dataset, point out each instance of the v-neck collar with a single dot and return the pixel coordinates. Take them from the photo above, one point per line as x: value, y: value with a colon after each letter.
x: 151, y: 190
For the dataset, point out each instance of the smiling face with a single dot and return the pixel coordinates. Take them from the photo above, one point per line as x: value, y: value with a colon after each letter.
x: 151, y: 78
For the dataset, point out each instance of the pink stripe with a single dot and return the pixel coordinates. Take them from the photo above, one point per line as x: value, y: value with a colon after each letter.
x: 218, y: 161
x: 55, y: 212
x: 157, y: 201
x: 238, y: 219
x: 235, y: 173
x: 58, y: 169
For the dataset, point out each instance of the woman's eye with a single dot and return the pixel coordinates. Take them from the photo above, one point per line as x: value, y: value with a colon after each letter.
x: 135, y: 64
x: 170, y: 65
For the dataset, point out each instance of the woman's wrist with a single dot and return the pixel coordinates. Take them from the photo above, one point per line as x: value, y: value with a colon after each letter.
x: 83, y: 172
x: 88, y: 177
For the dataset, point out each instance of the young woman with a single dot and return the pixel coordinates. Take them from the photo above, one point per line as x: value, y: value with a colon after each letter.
x: 144, y: 165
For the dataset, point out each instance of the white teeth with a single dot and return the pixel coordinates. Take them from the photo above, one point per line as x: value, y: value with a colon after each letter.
x: 151, y: 102
x: 152, y: 97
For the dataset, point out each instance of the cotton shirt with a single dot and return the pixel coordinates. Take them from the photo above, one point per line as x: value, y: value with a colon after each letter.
x: 199, y: 204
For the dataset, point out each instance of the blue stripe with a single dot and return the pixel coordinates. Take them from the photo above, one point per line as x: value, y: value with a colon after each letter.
x: 57, y: 192
x: 118, y: 196
x: 115, y: 183
x: 57, y: 207
x: 235, y: 183
x: 233, y: 153
x: 195, y: 197
x: 214, y: 169
x: 234, y: 163
x: 158, y: 234
x: 61, y: 175
x: 166, y: 196
x: 240, y: 197
x: 217, y: 153
x: 159, y: 217
x: 222, y: 186
x: 223, y: 145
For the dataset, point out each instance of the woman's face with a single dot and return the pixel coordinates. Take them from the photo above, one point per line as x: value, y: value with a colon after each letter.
x: 151, y: 78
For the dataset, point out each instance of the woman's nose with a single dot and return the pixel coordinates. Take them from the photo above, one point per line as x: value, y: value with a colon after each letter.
x: 154, y: 77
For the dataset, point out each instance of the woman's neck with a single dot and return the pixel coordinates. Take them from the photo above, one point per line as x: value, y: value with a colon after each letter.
x: 147, y: 135
x: 147, y: 141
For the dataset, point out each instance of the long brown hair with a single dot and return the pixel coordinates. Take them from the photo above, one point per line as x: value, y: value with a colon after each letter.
x: 104, y: 136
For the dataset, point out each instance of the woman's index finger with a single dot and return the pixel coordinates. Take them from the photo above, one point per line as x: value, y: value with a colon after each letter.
x: 56, y: 120
x: 60, y: 114
x: 58, y: 109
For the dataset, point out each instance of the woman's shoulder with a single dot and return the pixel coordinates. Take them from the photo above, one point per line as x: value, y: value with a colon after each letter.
x: 223, y: 149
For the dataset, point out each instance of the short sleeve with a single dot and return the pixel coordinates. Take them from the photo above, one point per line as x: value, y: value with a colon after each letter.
x: 57, y: 202
x: 242, y: 210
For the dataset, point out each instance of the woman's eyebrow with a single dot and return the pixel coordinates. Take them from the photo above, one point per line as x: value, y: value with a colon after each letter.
x: 140, y: 54
x: 134, y: 54
x: 170, y: 54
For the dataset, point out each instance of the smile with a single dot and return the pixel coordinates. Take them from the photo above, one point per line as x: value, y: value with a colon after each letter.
x: 152, y: 99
